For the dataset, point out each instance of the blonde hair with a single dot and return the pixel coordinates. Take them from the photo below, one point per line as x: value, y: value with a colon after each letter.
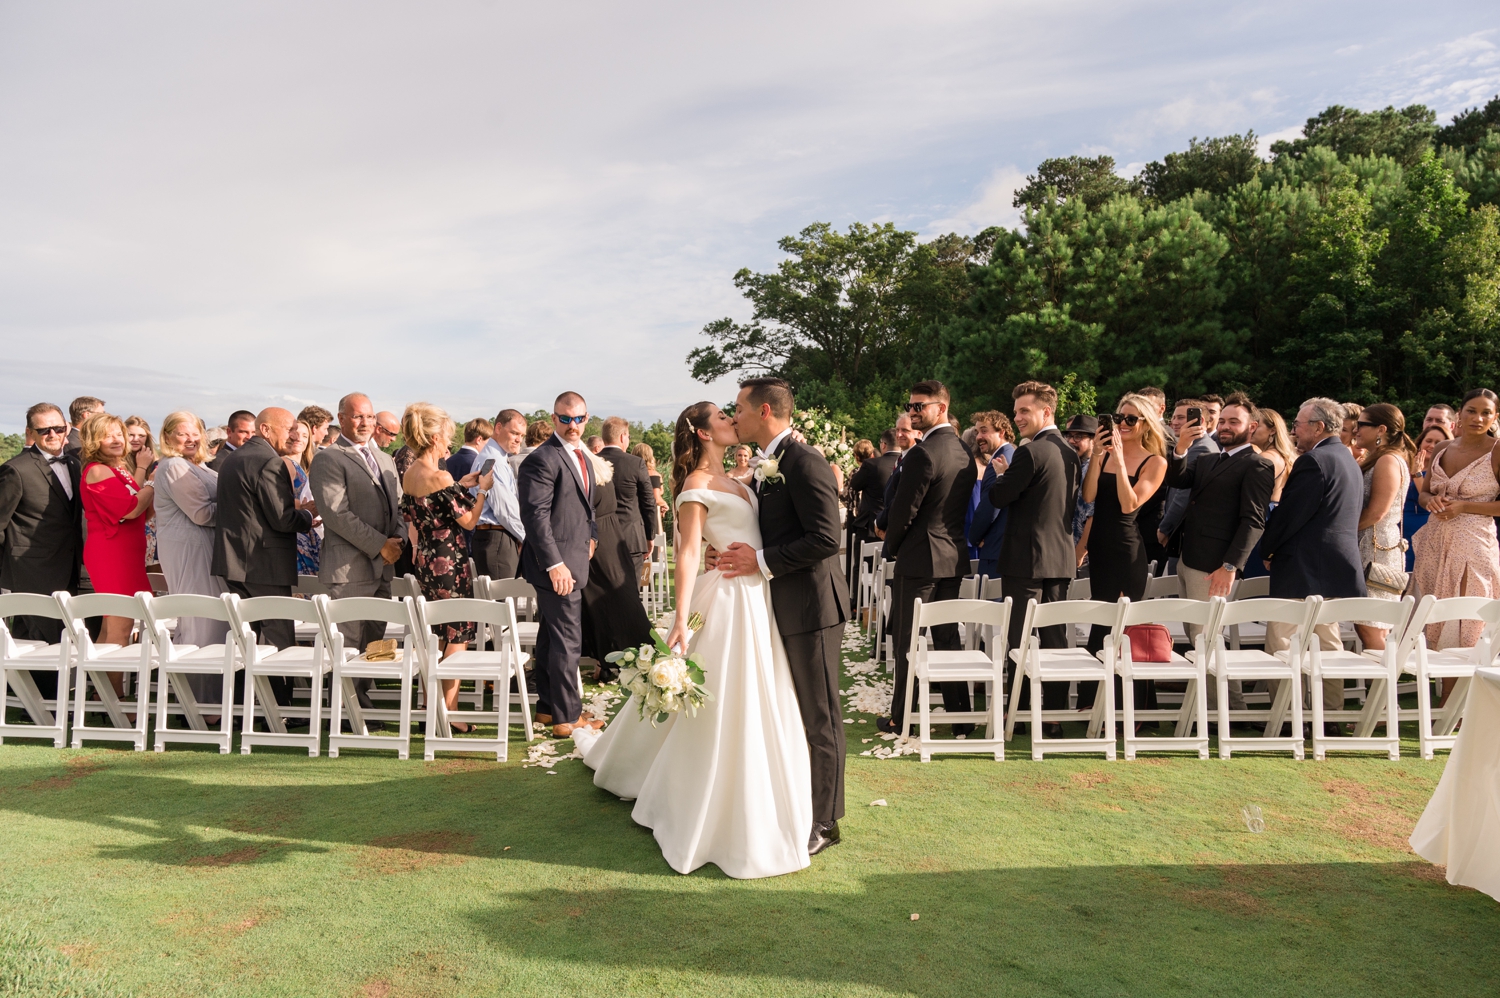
x: 1281, y: 441
x: 425, y: 426
x: 1153, y: 437
x: 169, y: 430
x: 645, y: 453
x: 91, y: 437
x: 308, y: 449
x: 140, y: 421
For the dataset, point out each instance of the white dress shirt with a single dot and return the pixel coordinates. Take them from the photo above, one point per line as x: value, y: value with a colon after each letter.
x: 502, y: 504
x: 60, y: 469
x: 573, y: 449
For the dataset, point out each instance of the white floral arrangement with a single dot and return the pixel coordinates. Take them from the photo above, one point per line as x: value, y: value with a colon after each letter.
x: 824, y: 434
x: 662, y: 681
x: 768, y: 469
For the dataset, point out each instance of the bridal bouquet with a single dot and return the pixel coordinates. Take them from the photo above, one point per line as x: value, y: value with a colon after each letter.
x: 663, y: 681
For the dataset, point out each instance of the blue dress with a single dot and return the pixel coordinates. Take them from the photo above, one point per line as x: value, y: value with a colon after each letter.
x: 1413, y: 518
x: 310, y: 544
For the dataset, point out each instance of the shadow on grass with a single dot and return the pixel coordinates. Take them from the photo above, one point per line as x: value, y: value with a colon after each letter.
x: 1222, y: 930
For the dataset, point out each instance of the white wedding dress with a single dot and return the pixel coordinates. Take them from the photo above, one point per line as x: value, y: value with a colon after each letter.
x: 730, y: 785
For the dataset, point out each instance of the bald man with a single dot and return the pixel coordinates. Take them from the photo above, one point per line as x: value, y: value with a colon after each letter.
x: 255, y: 537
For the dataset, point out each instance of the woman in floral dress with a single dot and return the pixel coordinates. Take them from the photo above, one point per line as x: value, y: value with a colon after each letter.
x: 438, y: 510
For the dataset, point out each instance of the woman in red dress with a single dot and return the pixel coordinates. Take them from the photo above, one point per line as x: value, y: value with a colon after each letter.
x: 115, y: 506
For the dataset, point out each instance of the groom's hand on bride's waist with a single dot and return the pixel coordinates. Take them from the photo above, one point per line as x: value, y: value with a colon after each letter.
x: 738, y: 559
x: 710, y: 558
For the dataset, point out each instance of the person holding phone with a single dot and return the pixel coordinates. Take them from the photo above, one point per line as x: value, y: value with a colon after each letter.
x: 498, y: 535
x: 1194, y: 412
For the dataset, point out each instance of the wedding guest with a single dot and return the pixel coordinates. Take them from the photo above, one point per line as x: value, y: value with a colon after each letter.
x: 635, y: 510
x: 79, y: 410
x: 497, y: 538
x: 256, y: 525
x: 186, y: 503
x: 41, y: 517
x: 537, y: 433
x: 1080, y: 436
x: 1413, y: 516
x: 1158, y: 398
x: 594, y: 443
x: 358, y: 495
x: 114, y: 509
x: 318, y: 419
x: 1130, y: 468
x: 1312, y: 539
x: 1346, y: 434
x: 645, y: 453
x: 438, y: 510
x: 214, y: 440
x: 907, y: 437
x: 477, y: 433
x: 1175, y: 506
x: 140, y: 459
x: 868, y: 483
x: 1380, y: 433
x: 298, y: 460
x: 387, y: 429
x: 985, y: 527
x: 613, y: 617
x: 741, y: 471
x: 1441, y: 415
x: 239, y: 428
x: 1456, y: 552
x: 1272, y: 442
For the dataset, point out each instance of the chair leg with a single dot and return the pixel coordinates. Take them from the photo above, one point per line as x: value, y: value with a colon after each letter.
x: 335, y: 710
x: 1320, y: 748
x: 1201, y: 702
x: 403, y: 751
x: 1127, y: 690
x: 1036, y: 719
x: 1424, y: 713
x: 81, y: 685
x: 1226, y: 741
x: 1010, y: 706
x: 924, y: 731
x: 429, y: 750
x: 1294, y: 685
x: 161, y: 710
x: 1393, y: 717
x: 1109, y: 714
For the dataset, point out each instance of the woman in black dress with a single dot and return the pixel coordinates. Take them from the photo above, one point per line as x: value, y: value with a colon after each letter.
x: 613, y: 617
x: 437, y: 511
x: 1117, y: 556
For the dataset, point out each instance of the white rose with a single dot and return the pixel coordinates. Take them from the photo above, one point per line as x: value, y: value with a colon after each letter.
x: 663, y: 675
x: 768, y: 469
x: 647, y: 653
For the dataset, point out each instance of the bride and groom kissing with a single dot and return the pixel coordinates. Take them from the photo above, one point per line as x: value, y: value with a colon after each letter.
x: 754, y: 782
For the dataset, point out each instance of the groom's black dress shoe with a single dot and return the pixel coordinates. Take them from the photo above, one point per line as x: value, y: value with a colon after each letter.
x: 824, y: 834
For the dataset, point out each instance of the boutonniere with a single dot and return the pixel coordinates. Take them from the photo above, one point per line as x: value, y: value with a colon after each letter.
x: 769, y: 470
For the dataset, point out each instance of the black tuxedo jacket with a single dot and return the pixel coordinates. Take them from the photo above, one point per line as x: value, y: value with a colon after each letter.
x: 557, y: 512
x: 799, y: 529
x: 1040, y: 488
x: 925, y: 526
x: 1226, y: 510
x: 635, y: 500
x: 869, y: 480
x: 255, y: 534
x: 1312, y: 536
x: 41, y: 529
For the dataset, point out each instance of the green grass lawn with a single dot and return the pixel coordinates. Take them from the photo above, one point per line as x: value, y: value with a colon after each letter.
x: 190, y: 873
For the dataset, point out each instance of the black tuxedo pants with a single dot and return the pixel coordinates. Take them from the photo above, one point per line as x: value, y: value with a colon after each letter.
x: 906, y: 589
x: 281, y: 633
x: 815, y: 661
x: 1020, y: 591
x: 559, y: 643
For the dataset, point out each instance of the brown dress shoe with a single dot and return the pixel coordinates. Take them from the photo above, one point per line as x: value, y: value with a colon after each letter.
x: 544, y: 718
x: 563, y: 730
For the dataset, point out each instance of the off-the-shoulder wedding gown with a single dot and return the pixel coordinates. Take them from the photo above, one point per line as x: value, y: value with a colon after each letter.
x: 731, y: 785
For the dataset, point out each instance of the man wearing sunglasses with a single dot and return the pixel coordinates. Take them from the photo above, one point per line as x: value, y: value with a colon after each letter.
x: 41, y: 519
x: 556, y: 487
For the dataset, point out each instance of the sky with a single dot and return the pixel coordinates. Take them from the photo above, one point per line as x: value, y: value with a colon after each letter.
x: 483, y: 204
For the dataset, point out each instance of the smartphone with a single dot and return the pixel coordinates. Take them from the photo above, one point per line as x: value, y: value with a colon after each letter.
x: 1195, y: 415
x: 484, y: 469
x: 1106, y: 422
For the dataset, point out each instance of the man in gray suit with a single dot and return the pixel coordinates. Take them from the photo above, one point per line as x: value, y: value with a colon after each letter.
x: 359, y: 497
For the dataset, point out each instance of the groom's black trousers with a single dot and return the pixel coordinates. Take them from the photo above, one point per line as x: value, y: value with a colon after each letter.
x: 815, y: 660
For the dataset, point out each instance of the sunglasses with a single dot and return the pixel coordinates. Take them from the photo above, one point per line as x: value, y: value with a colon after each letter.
x: 1121, y: 419
x: 1361, y: 422
x: 919, y: 406
x: 566, y: 420
x: 47, y: 431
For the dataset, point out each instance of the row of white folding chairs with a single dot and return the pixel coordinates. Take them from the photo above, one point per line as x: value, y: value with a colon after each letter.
x: 82, y: 665
x: 656, y: 593
x: 1304, y: 661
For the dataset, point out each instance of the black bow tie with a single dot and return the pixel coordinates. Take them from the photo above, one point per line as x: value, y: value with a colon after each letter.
x: 57, y: 460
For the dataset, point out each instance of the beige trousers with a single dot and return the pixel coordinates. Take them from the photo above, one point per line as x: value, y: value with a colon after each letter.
x: 1195, y: 586
x: 1279, y: 638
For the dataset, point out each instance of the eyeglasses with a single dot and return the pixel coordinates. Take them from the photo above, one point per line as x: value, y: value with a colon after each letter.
x: 919, y: 406
x: 566, y: 420
x: 1125, y: 420
x: 1361, y: 422
x: 47, y: 431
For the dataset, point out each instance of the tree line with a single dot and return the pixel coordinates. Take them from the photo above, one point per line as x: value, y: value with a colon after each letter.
x: 1360, y: 261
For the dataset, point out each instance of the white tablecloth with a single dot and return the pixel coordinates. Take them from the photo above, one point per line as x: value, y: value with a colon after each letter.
x: 1461, y: 826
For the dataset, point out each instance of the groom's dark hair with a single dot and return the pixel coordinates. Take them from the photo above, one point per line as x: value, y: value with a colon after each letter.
x: 770, y: 391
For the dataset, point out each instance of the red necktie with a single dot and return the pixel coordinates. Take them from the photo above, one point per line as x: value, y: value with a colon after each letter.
x: 583, y: 466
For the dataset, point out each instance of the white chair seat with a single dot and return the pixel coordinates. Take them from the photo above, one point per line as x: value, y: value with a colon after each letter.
x: 26, y: 647
x: 293, y: 660
x: 119, y: 659
x: 209, y: 658
x: 1249, y: 663
x: 527, y: 631
x: 960, y: 665
x: 1178, y: 669
x: 1345, y: 665
x: 473, y: 664
x: 1440, y: 664
x: 37, y: 652
x: 362, y: 668
x: 1068, y: 664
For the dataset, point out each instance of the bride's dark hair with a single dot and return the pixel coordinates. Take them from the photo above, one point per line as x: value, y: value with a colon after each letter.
x: 687, y: 448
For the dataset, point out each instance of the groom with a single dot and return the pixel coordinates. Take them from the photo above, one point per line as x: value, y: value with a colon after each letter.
x: 799, y: 525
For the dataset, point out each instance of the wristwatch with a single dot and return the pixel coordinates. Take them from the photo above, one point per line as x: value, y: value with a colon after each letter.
x: 1229, y: 568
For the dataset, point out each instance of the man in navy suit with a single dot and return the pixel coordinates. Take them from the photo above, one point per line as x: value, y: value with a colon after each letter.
x: 1311, y: 543
x: 556, y: 487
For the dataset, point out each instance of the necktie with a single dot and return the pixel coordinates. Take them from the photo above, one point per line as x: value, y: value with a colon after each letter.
x: 583, y: 467
x: 364, y: 452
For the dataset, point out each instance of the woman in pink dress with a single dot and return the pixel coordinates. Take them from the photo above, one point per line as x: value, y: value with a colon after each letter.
x: 1456, y: 553
x: 114, y: 506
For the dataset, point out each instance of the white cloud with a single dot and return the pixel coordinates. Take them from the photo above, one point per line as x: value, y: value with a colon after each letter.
x: 992, y: 206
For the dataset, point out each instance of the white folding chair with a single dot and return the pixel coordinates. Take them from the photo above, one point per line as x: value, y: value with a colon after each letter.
x: 1163, y: 587
x: 1194, y: 709
x: 176, y: 662
x: 496, y: 622
x: 1041, y: 665
x: 1413, y: 656
x: 347, y: 668
x: 1080, y: 589
x: 158, y: 583
x: 931, y: 665
x: 262, y: 662
x: 1226, y: 664
x: 1340, y: 665
x: 869, y: 558
x: 522, y: 594
x: 94, y: 662
x: 885, y: 572
x: 1250, y: 633
x: 20, y: 658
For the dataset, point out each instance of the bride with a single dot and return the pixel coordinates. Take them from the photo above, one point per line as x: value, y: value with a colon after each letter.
x: 730, y: 785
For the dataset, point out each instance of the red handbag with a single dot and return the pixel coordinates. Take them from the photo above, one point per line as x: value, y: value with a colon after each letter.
x: 1149, y: 643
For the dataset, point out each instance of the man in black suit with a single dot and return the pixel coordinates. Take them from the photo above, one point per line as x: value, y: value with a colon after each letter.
x: 799, y: 526
x: 258, y: 519
x: 79, y: 409
x: 41, y: 517
x: 237, y: 431
x: 1037, y: 556
x: 907, y: 437
x: 869, y: 481
x: 635, y: 501
x: 1226, y: 508
x: 925, y: 536
x: 556, y: 488
x: 1311, y: 542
